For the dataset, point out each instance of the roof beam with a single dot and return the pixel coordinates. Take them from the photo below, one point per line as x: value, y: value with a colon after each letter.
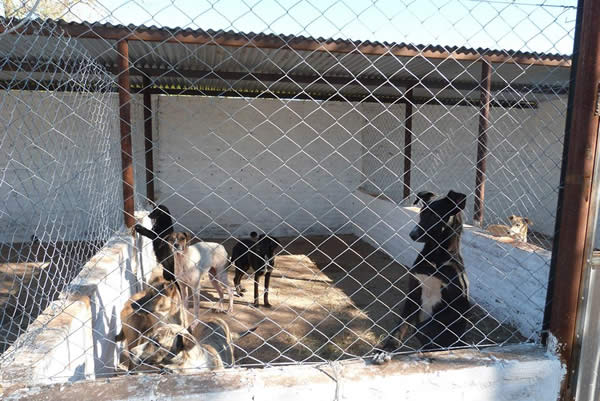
x: 339, y: 80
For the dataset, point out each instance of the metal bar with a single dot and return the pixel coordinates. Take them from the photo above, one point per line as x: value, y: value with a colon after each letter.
x: 278, y: 42
x: 229, y: 76
x: 482, y: 150
x: 125, y: 127
x: 569, y: 253
x: 335, y: 97
x: 148, y: 140
x: 408, y: 114
x: 410, y: 83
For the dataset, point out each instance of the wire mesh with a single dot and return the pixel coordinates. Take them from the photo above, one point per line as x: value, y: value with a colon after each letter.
x: 319, y: 144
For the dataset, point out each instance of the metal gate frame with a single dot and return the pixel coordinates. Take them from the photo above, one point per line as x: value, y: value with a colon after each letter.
x: 576, y: 213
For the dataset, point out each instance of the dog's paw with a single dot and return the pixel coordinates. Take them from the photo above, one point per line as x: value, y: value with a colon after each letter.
x: 381, y: 357
x: 268, y: 305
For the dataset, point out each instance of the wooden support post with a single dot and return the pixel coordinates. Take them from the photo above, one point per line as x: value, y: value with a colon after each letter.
x: 572, y: 245
x: 125, y: 126
x: 148, y: 141
x: 408, y: 112
x: 482, y: 150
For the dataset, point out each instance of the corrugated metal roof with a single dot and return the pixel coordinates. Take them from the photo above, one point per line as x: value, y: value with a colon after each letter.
x: 254, y: 63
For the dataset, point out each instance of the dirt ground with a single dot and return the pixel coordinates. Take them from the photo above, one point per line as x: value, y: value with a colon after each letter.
x: 31, y: 276
x: 333, y: 298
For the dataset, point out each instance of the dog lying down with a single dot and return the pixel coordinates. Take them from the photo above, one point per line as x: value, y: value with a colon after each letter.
x: 159, y: 303
x: 171, y: 348
x: 517, y: 230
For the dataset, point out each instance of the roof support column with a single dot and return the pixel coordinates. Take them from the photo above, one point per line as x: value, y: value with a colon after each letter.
x: 482, y: 149
x: 125, y: 127
x: 408, y: 113
x: 148, y: 141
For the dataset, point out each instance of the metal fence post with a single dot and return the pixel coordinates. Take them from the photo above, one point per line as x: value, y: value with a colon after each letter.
x: 148, y: 146
x: 125, y: 127
x: 569, y: 258
x: 482, y: 150
x: 408, y: 114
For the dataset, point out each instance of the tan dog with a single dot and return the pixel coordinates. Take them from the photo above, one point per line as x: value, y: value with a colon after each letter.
x: 159, y: 302
x: 517, y: 229
x: 193, y: 261
x: 172, y: 348
x: 215, y: 332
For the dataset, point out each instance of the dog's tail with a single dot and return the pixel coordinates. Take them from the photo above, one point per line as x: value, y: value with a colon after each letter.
x: 235, y: 336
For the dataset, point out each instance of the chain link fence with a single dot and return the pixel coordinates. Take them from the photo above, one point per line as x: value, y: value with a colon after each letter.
x: 245, y: 119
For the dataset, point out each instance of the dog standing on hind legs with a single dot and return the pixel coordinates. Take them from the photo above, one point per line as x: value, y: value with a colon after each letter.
x: 162, y: 226
x: 438, y: 293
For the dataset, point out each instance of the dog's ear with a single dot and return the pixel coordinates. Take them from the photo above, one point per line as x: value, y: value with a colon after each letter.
x: 459, y: 200
x: 511, y: 217
x: 261, y: 236
x: 528, y: 221
x: 188, y: 236
x: 424, y: 197
x: 184, y: 342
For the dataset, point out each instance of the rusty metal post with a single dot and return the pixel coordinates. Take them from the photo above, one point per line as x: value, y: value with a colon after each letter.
x: 408, y: 112
x: 482, y: 150
x: 148, y: 141
x: 125, y: 127
x: 569, y: 252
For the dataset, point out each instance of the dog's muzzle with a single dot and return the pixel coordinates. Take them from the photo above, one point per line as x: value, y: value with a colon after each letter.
x: 416, y: 233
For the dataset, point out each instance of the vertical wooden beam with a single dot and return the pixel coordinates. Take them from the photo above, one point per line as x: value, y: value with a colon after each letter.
x: 125, y: 126
x: 148, y: 141
x: 482, y: 150
x: 408, y: 112
x: 569, y: 256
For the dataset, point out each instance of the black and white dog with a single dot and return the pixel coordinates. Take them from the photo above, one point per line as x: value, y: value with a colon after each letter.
x: 162, y: 226
x: 254, y: 255
x: 438, y: 293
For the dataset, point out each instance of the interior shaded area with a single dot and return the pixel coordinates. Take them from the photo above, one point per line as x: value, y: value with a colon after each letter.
x: 31, y: 276
x: 333, y: 297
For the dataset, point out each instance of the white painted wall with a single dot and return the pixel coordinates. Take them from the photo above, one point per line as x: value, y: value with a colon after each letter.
x: 228, y: 166
x: 58, y: 166
x: 523, y: 168
x: 523, y: 373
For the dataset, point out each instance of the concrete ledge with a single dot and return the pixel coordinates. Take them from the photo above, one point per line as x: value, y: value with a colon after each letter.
x: 73, y: 338
x: 509, y: 279
x: 524, y: 372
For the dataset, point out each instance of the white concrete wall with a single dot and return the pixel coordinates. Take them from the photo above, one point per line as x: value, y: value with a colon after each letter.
x: 73, y: 339
x: 523, y: 167
x: 58, y: 166
x: 523, y: 373
x: 509, y: 282
x: 228, y: 166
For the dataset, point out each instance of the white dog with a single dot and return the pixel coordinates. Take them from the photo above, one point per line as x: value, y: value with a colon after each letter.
x: 193, y: 261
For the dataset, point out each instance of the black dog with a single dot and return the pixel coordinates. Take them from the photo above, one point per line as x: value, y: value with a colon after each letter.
x: 438, y: 293
x: 255, y: 253
x: 162, y: 226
